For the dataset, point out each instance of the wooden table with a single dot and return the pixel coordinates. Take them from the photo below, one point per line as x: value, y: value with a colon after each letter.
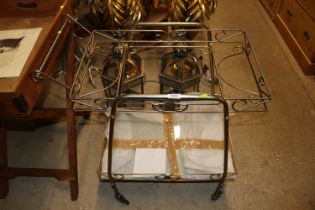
x: 18, y: 95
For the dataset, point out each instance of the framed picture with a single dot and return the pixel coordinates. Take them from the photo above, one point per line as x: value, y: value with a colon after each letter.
x: 15, y: 48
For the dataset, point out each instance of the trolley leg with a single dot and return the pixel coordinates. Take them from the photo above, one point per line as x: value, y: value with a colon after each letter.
x: 218, y: 191
x: 118, y: 195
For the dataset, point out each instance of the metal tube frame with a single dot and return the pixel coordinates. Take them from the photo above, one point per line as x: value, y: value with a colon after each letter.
x: 239, y: 104
x: 119, y: 97
x: 167, y: 179
x: 217, y: 193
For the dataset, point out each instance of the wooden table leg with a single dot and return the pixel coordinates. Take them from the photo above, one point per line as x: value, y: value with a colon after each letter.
x: 72, y: 146
x: 4, y: 182
x: 72, y: 151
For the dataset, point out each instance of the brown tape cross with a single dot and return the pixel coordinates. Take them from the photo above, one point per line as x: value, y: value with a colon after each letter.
x: 170, y: 143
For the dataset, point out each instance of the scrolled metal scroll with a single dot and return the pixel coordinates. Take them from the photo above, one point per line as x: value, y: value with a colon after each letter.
x: 243, y: 105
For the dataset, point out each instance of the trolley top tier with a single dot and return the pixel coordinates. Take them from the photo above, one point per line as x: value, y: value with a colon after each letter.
x: 158, y: 59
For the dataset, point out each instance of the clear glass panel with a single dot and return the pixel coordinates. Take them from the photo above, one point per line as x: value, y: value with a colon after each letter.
x: 184, y: 145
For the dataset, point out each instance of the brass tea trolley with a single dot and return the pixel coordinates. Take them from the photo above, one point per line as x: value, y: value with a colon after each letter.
x: 169, y: 89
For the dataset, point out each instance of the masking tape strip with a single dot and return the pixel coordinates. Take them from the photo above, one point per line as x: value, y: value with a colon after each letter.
x: 182, y: 143
x: 171, y: 150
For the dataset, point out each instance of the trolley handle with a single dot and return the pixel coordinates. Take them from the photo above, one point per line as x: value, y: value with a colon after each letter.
x: 38, y: 75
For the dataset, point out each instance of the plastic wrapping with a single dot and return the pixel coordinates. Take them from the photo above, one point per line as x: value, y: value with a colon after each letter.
x: 193, y: 152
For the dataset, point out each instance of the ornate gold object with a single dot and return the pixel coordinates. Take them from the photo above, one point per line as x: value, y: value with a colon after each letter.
x: 121, y: 13
x: 132, y: 73
x: 116, y: 13
x: 181, y: 69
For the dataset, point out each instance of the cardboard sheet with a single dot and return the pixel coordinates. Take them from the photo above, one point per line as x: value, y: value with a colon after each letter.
x: 150, y: 161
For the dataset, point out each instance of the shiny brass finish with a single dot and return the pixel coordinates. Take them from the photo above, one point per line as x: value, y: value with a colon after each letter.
x: 177, y: 10
x: 137, y: 10
x: 191, y: 11
x: 132, y: 70
x: 133, y: 76
x: 122, y: 13
x: 180, y: 71
x: 99, y: 13
x: 198, y: 9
